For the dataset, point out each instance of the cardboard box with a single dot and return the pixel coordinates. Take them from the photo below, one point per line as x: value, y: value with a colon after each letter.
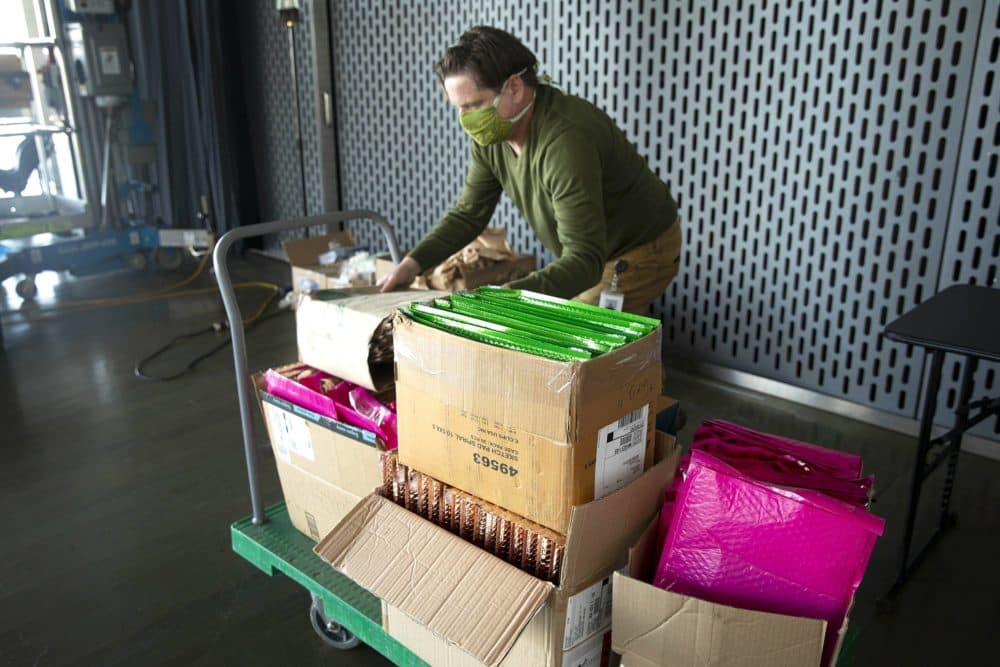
x: 532, y: 435
x: 652, y: 627
x: 303, y: 255
x: 524, y: 544
x: 454, y: 604
x: 346, y: 332
x: 325, y: 467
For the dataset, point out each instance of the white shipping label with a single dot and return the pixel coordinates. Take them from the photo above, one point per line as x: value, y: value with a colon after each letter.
x: 289, y: 434
x: 588, y: 654
x: 621, y: 450
x: 587, y: 612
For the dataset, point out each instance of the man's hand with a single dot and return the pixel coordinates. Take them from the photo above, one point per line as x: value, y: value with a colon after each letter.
x: 402, y: 276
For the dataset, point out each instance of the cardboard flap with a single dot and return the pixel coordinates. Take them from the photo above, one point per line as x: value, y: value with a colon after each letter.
x: 670, y: 629
x: 306, y: 252
x: 642, y: 555
x: 591, y: 546
x: 458, y: 591
x: 335, y: 332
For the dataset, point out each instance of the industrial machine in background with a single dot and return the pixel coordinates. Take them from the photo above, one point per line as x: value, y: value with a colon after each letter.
x: 52, y: 216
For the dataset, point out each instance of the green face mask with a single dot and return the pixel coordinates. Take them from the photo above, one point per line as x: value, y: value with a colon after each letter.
x: 485, y: 126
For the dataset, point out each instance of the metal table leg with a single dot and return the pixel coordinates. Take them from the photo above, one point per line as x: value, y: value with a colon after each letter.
x: 916, y: 482
x: 961, y: 424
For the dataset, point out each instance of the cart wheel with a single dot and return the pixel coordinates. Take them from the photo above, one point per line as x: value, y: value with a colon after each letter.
x: 137, y: 261
x: 330, y: 632
x: 169, y: 259
x: 26, y: 288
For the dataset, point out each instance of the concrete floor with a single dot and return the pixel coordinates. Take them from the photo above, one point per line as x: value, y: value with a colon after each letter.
x: 118, y: 493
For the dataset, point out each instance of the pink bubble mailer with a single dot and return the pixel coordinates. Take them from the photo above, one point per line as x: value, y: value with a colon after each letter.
x: 741, y: 542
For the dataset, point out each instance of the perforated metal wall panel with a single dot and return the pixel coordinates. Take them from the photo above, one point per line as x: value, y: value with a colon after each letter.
x: 972, y: 248
x: 272, y: 109
x: 813, y: 147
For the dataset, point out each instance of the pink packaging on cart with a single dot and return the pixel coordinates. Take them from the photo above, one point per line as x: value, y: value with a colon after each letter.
x: 746, y: 543
x: 337, y: 399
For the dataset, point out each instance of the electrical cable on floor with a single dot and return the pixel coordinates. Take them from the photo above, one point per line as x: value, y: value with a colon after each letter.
x: 216, y: 327
x: 168, y: 292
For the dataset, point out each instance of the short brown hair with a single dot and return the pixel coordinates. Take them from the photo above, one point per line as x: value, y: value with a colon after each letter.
x: 490, y: 56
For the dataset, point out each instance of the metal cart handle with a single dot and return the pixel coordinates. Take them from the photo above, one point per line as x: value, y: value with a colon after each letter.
x: 244, y: 385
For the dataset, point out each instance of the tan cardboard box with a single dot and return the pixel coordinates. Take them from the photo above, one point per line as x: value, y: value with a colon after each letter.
x: 325, y: 467
x: 303, y: 255
x: 346, y: 332
x: 532, y: 435
x: 652, y: 627
x: 454, y: 604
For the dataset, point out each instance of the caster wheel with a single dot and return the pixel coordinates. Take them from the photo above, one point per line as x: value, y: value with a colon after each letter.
x: 26, y: 289
x: 332, y: 633
x: 137, y: 261
x: 168, y: 259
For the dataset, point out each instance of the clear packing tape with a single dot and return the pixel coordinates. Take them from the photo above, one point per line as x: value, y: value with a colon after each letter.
x: 522, y: 543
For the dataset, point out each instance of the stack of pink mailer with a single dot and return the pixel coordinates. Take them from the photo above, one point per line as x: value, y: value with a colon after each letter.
x: 763, y: 522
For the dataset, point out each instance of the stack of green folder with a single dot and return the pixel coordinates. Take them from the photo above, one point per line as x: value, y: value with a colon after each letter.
x: 534, y: 323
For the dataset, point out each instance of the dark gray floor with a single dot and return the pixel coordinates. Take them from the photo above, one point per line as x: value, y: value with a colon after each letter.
x: 117, y: 494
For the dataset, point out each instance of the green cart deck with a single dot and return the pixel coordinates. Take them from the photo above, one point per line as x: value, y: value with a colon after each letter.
x: 277, y: 546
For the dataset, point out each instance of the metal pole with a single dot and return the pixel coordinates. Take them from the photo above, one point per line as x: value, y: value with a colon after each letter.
x: 106, y: 167
x: 961, y: 425
x: 293, y: 60
x: 920, y: 463
x: 244, y: 385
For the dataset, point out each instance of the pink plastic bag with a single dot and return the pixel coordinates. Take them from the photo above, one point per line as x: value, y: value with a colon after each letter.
x: 803, y: 454
x: 667, y: 509
x: 306, y: 392
x: 358, y: 407
x: 745, y: 543
x: 337, y: 399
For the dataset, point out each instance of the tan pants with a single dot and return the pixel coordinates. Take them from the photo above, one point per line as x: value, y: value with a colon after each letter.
x: 650, y: 269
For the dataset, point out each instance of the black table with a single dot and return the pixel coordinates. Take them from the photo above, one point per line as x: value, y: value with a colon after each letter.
x: 963, y: 319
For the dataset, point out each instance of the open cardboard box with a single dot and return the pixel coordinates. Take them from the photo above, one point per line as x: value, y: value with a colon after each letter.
x: 325, y: 467
x: 532, y: 435
x: 452, y: 603
x: 653, y: 627
x: 338, y: 330
x: 303, y: 255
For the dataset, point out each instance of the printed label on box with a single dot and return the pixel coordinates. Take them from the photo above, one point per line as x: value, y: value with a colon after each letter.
x: 587, y: 612
x: 289, y: 434
x: 492, y: 445
x: 588, y: 654
x: 621, y: 450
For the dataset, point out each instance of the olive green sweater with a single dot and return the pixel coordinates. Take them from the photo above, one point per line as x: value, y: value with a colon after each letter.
x: 579, y: 183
